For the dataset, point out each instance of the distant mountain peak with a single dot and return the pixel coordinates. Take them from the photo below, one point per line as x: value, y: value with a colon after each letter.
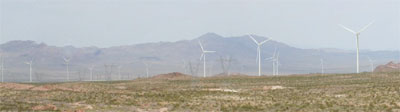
x: 209, y: 36
x: 17, y: 45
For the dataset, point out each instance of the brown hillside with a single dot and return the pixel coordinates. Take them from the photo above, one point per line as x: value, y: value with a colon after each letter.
x: 389, y: 67
x: 172, y: 76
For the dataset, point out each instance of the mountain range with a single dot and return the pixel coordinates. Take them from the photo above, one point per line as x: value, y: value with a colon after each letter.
x: 180, y: 56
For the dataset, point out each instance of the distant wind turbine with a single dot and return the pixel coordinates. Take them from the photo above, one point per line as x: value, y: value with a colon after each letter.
x: 203, y: 55
x: 259, y: 44
x: 184, y: 67
x: 147, y: 69
x: 2, y: 68
x: 357, y: 40
x: 30, y: 69
x: 273, y: 59
x: 277, y: 64
x: 119, y: 72
x: 322, y: 66
x: 66, y: 61
x: 91, y: 72
x: 371, y: 62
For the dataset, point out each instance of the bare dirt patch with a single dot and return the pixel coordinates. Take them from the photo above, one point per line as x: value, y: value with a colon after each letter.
x: 172, y: 76
x: 222, y: 90
x: 56, y: 87
x: 340, y: 96
x: 273, y: 87
x: 48, y: 107
x: 15, y: 86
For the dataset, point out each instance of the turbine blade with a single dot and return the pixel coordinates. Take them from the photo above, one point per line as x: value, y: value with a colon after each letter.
x: 66, y: 59
x: 252, y: 38
x: 264, y: 41
x: 268, y: 59
x: 365, y: 27
x: 201, y: 57
x: 201, y: 46
x: 210, y: 51
x: 348, y: 29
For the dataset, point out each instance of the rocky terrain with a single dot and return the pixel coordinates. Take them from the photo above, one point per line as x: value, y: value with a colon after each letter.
x: 389, y: 67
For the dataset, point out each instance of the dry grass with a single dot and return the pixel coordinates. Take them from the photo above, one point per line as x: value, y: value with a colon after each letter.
x: 341, y: 92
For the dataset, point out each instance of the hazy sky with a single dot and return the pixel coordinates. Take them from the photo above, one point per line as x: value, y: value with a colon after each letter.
x: 104, y: 23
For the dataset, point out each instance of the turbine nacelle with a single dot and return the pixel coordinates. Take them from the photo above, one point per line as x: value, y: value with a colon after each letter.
x: 204, y: 51
x: 29, y: 62
x: 67, y: 60
x: 258, y: 43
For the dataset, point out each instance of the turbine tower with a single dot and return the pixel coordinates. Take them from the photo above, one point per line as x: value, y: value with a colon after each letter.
x: 322, y: 66
x: 203, y: 55
x: 66, y: 61
x: 277, y: 64
x: 91, y: 72
x: 147, y: 69
x: 119, y: 72
x: 273, y: 59
x: 357, y: 40
x: 184, y: 67
x: 259, y: 44
x: 371, y: 63
x: 2, y: 68
x: 30, y: 69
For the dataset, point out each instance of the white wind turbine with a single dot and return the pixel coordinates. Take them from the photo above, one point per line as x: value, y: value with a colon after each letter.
x: 2, y: 68
x: 259, y: 44
x: 322, y: 66
x: 277, y: 64
x: 357, y: 40
x: 371, y: 63
x: 273, y: 59
x: 119, y: 72
x: 147, y: 69
x: 66, y: 61
x: 203, y: 55
x: 30, y: 69
x: 91, y: 72
x: 184, y: 67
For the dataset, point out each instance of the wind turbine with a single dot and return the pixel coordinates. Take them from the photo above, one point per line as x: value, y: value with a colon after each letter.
x: 277, y: 64
x: 371, y: 62
x: 147, y: 69
x: 357, y: 40
x: 259, y: 44
x: 322, y: 66
x: 2, y: 68
x: 91, y: 72
x: 184, y: 66
x: 203, y: 55
x: 66, y: 61
x: 119, y: 72
x: 30, y: 69
x: 273, y: 59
